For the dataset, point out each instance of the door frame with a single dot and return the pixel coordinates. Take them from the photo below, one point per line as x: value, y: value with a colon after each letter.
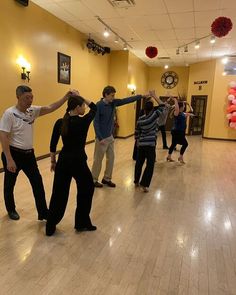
x: 205, y: 97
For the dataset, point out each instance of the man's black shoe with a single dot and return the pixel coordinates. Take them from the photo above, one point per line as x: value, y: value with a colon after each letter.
x: 50, y: 229
x: 97, y: 184
x: 14, y: 215
x: 86, y: 228
x: 108, y: 183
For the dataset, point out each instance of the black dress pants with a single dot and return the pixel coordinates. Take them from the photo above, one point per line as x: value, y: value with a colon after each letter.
x: 147, y: 153
x: 178, y: 137
x: 162, y: 128
x: 28, y: 164
x: 68, y: 166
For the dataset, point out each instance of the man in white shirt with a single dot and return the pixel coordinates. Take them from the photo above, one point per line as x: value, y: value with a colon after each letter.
x: 16, y: 134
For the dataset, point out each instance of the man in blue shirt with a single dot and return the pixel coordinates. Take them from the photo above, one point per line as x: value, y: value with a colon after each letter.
x: 103, y: 125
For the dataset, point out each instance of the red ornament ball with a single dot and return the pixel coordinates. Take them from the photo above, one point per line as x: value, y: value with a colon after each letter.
x: 151, y: 52
x: 221, y: 26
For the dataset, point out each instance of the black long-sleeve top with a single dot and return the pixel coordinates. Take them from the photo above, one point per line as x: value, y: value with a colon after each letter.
x: 74, y: 141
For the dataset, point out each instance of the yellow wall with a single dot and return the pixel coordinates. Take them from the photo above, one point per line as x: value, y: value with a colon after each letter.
x: 154, y: 81
x: 38, y: 36
x: 126, y: 68
x: 203, y: 71
x: 218, y: 124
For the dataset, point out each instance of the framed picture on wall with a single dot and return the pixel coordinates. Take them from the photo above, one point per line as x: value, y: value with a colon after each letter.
x: 63, y: 68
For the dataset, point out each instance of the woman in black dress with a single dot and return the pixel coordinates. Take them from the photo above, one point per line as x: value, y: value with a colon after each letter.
x: 72, y: 162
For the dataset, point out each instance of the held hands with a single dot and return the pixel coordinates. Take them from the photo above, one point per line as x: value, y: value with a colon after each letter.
x: 72, y: 92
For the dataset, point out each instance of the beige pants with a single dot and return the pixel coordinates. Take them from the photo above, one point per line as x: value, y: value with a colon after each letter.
x: 99, y: 152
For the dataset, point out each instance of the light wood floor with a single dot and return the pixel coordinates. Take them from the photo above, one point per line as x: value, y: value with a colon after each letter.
x: 180, y: 238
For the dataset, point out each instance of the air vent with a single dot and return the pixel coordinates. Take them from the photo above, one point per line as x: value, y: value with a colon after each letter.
x: 122, y: 3
x: 164, y: 57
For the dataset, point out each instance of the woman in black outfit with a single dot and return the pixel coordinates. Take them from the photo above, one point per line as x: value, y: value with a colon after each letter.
x: 72, y: 162
x: 178, y: 130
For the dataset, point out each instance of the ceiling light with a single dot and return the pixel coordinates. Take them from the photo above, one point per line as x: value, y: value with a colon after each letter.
x: 106, y: 33
x: 177, y: 51
x: 224, y: 60
x: 186, y: 48
x: 197, y: 44
x: 166, y: 66
x: 116, y: 39
x: 213, y: 39
x: 125, y: 46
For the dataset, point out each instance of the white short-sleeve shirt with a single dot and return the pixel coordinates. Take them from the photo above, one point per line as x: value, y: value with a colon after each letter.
x: 20, y: 126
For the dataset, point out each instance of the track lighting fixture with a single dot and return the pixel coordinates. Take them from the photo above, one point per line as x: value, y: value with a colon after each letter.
x: 95, y: 47
x: 197, y: 44
x: 213, y: 39
x: 108, y: 30
x: 106, y: 33
x: 125, y: 46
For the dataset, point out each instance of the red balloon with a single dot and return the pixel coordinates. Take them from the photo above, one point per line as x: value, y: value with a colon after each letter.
x: 233, y: 119
x: 221, y: 26
x: 232, y: 91
x: 151, y: 52
x: 231, y: 108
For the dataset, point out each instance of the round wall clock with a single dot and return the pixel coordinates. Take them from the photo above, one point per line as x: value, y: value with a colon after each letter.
x: 169, y: 79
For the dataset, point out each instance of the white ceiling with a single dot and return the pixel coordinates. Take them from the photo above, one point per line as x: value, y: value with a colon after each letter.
x: 166, y: 24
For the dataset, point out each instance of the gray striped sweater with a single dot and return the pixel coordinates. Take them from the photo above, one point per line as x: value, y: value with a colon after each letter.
x: 147, y: 127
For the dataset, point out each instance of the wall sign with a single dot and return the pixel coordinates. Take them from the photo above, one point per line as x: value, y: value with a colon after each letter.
x: 200, y: 82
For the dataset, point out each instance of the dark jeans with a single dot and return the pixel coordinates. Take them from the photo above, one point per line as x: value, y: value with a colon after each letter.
x: 147, y: 153
x: 163, y: 134
x: 27, y: 163
x: 68, y: 166
x: 178, y: 137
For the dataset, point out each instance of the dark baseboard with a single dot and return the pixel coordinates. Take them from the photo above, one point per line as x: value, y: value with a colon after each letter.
x: 124, y: 137
x: 213, y: 138
x: 48, y: 155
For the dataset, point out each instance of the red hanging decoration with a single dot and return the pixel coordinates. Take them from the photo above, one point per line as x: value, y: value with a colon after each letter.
x: 151, y: 52
x: 221, y: 26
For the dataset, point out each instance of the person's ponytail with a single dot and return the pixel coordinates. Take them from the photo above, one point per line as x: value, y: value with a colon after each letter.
x: 72, y: 103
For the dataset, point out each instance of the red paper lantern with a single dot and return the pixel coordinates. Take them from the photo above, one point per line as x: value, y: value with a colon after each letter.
x: 221, y: 26
x: 151, y: 52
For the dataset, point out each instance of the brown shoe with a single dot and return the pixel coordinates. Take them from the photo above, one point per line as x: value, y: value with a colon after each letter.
x: 108, y: 183
x: 97, y: 184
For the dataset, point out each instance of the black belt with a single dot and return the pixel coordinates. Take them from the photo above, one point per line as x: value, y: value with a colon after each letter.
x: 21, y: 151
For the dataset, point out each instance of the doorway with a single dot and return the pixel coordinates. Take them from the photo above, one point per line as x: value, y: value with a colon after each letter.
x: 196, y: 124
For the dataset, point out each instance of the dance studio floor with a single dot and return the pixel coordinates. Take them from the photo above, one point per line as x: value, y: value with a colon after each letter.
x: 180, y: 238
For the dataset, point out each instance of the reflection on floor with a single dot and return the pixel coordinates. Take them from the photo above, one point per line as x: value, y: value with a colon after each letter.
x: 180, y: 238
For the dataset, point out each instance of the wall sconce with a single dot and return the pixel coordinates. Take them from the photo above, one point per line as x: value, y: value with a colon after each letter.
x: 25, y: 66
x: 132, y: 88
